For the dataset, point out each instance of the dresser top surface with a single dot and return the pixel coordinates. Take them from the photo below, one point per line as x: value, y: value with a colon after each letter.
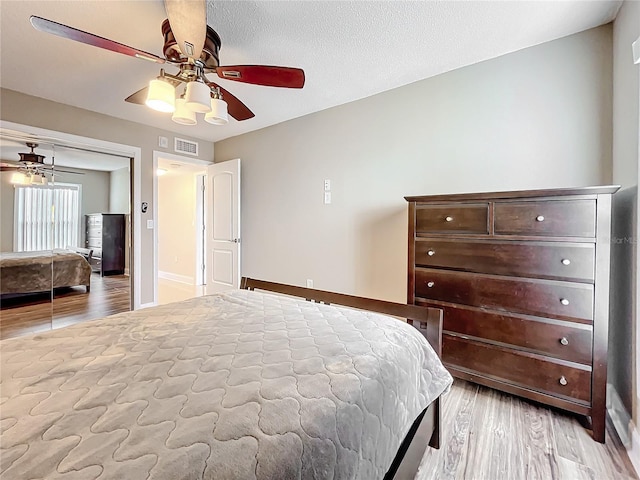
x: 604, y: 189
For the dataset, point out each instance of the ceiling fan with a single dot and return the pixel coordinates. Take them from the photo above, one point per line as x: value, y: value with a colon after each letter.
x: 31, y: 167
x: 193, y: 47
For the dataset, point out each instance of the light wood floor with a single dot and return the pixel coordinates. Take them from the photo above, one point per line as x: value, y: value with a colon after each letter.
x: 170, y: 291
x: 491, y: 435
x: 37, y: 313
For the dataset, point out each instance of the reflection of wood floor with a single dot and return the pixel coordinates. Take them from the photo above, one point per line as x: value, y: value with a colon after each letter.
x: 36, y: 313
x: 487, y: 434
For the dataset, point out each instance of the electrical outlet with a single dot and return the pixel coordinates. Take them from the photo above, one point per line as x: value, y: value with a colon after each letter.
x: 327, y: 185
x: 309, y: 283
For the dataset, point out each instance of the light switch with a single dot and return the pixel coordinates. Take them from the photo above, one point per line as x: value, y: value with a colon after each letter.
x: 150, y: 224
x: 327, y: 198
x: 327, y: 185
x: 163, y: 142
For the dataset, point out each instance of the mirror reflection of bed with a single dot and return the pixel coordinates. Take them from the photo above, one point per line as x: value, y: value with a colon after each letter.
x: 50, y: 274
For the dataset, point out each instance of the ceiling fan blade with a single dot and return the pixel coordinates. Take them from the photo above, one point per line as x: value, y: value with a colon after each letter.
x: 6, y: 168
x: 139, y: 97
x: 64, y: 31
x: 58, y: 170
x: 235, y: 107
x: 188, y: 21
x: 270, y: 76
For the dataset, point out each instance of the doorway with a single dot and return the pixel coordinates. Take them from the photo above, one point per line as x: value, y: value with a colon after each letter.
x: 178, y: 227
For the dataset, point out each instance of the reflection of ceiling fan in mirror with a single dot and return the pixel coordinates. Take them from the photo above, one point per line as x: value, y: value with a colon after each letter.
x: 31, y: 168
x: 191, y: 46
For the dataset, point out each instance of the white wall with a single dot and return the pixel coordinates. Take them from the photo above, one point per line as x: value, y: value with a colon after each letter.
x: 119, y: 191
x: 177, y: 227
x: 536, y: 118
x: 624, y: 372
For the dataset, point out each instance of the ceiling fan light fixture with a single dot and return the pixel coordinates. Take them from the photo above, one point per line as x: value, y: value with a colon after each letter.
x: 18, y: 178
x: 183, y: 115
x: 161, y: 96
x: 197, y: 97
x: 218, y: 114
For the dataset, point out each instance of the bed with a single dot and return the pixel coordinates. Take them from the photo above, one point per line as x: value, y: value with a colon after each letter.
x: 239, y: 385
x: 32, y: 272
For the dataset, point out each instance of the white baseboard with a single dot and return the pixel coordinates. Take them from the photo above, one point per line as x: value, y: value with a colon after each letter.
x: 623, y: 423
x: 174, y: 277
x: 147, y: 305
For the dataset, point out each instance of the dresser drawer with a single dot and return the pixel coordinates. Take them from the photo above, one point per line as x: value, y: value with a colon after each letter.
x: 467, y: 218
x: 94, y: 220
x: 559, y: 339
x: 555, y: 260
x: 93, y: 242
x: 529, y: 296
x: 561, y: 218
x: 531, y: 371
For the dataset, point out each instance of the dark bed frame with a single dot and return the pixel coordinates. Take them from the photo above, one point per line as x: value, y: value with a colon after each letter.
x: 426, y: 428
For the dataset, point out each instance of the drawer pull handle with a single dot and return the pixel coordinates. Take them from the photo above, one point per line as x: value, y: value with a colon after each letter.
x: 431, y: 253
x: 564, y: 301
x: 564, y: 341
x: 430, y: 284
x: 563, y: 381
x: 566, y: 261
x: 540, y: 218
x: 449, y: 219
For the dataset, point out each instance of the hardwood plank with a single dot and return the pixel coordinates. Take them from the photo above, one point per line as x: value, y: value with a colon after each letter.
x: 488, y: 434
x: 37, y: 313
x: 574, y: 471
x: 535, y: 433
x: 457, y: 412
x: 492, y: 449
x: 574, y: 443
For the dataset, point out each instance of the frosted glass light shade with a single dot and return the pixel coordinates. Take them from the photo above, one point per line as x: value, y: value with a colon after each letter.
x: 19, y: 178
x: 161, y: 96
x: 183, y: 115
x: 198, y: 97
x: 218, y: 114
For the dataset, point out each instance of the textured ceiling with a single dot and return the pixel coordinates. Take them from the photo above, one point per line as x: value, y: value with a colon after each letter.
x: 349, y: 50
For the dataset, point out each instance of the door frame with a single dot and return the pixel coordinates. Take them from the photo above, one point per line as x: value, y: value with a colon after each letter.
x: 130, y: 151
x: 157, y: 155
x: 201, y: 242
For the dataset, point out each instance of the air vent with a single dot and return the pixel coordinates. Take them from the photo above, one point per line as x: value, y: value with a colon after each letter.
x: 185, y: 146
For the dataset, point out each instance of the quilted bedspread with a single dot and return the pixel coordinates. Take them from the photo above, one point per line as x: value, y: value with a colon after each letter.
x: 241, y: 385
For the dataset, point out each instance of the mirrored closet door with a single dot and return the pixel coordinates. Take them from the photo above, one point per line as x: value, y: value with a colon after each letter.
x: 26, y: 235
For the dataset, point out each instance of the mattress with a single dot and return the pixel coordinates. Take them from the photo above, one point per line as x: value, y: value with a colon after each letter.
x: 241, y: 385
x: 30, y: 272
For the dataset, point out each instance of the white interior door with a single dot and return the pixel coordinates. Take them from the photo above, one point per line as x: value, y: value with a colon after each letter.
x: 223, y: 226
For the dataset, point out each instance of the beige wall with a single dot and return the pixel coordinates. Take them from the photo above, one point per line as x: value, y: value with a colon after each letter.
x: 626, y: 106
x: 536, y: 118
x: 177, y: 226
x: 119, y: 186
x: 94, y: 199
x: 27, y: 110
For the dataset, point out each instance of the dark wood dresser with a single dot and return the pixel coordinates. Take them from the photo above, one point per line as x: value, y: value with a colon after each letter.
x: 523, y: 279
x: 105, y: 235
